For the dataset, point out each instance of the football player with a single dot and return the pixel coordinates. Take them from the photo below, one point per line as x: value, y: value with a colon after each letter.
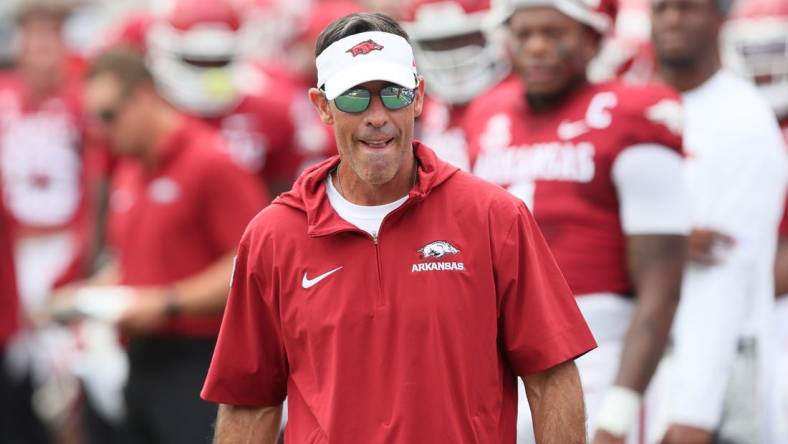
x: 461, y: 53
x: 755, y: 45
x: 195, y: 53
x: 600, y: 166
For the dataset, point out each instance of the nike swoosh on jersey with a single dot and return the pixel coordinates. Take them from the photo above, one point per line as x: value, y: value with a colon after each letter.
x: 309, y: 283
x: 569, y: 130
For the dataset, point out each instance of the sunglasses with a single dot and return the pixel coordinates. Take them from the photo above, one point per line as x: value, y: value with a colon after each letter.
x: 356, y: 100
x: 106, y: 116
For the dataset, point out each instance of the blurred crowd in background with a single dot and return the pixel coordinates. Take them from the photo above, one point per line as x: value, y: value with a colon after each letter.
x: 242, y: 69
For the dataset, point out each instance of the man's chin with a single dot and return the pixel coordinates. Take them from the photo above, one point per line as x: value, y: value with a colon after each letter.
x: 675, y: 59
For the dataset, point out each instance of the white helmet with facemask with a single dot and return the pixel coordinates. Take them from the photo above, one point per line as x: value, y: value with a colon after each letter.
x: 459, y: 49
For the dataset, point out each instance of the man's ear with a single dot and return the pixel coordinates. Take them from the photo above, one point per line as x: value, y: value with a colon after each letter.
x: 592, y: 44
x: 322, y: 105
x: 418, y: 103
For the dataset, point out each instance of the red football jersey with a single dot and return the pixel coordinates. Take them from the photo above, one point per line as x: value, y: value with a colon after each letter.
x: 314, y: 138
x: 274, y: 132
x: 260, y: 137
x: 441, y: 125
x: 560, y: 162
x: 41, y: 155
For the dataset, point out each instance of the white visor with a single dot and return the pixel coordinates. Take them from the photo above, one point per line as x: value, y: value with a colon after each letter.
x: 365, y: 57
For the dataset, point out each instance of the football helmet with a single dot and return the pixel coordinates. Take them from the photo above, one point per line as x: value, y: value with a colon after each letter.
x: 195, y: 55
x: 755, y: 45
x: 459, y: 49
x: 270, y: 26
x: 600, y: 15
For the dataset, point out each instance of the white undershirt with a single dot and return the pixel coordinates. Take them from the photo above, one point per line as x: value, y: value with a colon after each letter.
x: 367, y: 218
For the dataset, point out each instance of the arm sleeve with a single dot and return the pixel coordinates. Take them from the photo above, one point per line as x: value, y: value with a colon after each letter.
x: 249, y: 365
x: 539, y: 322
x: 233, y: 198
x: 650, y: 183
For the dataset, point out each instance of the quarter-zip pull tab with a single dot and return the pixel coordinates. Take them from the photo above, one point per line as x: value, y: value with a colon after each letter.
x: 380, y: 300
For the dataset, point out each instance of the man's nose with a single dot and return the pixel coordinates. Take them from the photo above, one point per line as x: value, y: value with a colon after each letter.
x: 376, y: 115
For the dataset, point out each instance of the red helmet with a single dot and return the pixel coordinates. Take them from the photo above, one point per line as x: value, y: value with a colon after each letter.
x: 131, y: 32
x: 598, y: 14
x: 755, y: 44
x: 270, y: 26
x: 195, y: 56
x: 622, y: 52
x: 459, y: 48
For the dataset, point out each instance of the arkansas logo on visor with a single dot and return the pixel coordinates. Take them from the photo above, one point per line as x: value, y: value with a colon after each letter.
x: 365, y: 47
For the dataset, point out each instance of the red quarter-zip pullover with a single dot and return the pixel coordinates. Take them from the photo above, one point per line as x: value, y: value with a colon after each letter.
x: 416, y: 336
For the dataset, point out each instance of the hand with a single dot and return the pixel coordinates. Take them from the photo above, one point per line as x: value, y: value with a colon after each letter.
x: 704, y: 245
x: 146, y: 312
x: 604, y: 437
x: 60, y: 306
x: 682, y: 434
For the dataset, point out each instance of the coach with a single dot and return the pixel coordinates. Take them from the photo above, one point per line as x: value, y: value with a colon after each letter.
x: 388, y: 296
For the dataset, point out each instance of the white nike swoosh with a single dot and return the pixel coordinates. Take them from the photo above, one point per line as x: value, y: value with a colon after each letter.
x: 569, y: 130
x: 309, y: 283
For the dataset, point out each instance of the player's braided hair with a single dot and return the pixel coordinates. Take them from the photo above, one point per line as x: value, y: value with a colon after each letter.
x: 356, y: 24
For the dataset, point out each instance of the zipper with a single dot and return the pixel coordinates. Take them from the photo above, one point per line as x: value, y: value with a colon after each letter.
x: 381, y: 299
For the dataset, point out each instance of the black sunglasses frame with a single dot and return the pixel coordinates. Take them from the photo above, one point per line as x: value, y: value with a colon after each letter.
x: 410, y: 92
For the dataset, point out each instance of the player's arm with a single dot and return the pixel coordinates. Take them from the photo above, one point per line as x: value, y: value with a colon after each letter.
x: 556, y: 400
x: 781, y: 268
x: 252, y: 425
x: 655, y: 218
x: 655, y: 264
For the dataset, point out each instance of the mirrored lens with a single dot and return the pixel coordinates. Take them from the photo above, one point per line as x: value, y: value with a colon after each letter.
x: 353, y: 101
x: 396, y: 97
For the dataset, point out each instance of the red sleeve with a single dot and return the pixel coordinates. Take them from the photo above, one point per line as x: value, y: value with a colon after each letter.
x: 249, y: 366
x: 539, y: 321
x: 9, y: 302
x: 653, y: 115
x: 233, y: 197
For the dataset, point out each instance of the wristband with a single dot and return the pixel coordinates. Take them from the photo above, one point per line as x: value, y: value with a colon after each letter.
x: 171, y: 307
x: 619, y: 410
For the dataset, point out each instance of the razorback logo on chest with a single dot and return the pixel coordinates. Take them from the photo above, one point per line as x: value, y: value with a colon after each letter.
x: 437, y: 250
x: 365, y: 47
